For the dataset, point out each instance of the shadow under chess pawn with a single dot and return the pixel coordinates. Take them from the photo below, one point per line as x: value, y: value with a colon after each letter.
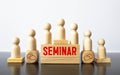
x: 32, y: 69
x: 87, y: 69
x: 59, y: 69
x: 15, y: 69
x: 101, y: 68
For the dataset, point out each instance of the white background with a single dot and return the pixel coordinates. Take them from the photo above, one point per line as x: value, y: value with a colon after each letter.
x: 102, y: 17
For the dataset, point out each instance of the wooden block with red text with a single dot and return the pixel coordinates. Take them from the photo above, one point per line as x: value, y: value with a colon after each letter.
x: 60, y: 54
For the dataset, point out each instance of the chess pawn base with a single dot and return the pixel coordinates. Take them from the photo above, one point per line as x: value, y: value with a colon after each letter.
x: 32, y: 56
x: 104, y: 60
x: 15, y: 60
x: 87, y: 56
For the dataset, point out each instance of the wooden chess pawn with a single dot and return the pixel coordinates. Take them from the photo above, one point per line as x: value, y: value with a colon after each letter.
x: 47, y: 37
x: 60, y: 32
x: 102, y: 53
x: 87, y: 53
x: 74, y: 34
x: 32, y: 54
x: 15, y: 52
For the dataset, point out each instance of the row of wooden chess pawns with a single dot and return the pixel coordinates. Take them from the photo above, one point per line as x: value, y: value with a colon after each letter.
x: 32, y: 54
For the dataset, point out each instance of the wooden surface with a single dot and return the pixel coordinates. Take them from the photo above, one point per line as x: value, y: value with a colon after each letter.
x: 59, y: 69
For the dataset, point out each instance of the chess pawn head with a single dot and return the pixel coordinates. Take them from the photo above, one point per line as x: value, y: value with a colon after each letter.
x: 87, y: 42
x: 47, y: 26
x: 74, y: 34
x: 15, y: 53
x: 87, y: 33
x: 74, y: 26
x: 31, y: 33
x: 101, y: 49
x: 101, y: 42
x: 16, y: 41
x: 47, y: 38
x: 61, y: 22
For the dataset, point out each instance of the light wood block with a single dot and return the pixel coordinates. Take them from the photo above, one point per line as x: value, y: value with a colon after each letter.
x: 51, y: 51
x: 105, y: 60
x: 60, y: 60
x: 15, y: 60
x: 68, y: 56
x: 32, y: 56
x: 61, y: 51
x: 87, y: 56
x: 60, y: 42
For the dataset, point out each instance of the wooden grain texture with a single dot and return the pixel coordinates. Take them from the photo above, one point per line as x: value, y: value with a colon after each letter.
x: 32, y: 56
x: 87, y: 56
x: 60, y: 42
x: 60, y: 60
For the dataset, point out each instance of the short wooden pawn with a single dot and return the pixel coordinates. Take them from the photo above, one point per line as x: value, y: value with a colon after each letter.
x: 102, y: 58
x: 32, y: 54
x: 15, y: 52
x: 74, y: 34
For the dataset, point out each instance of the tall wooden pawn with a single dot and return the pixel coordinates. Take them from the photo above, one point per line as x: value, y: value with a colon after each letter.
x: 87, y: 42
x: 32, y: 54
x: 15, y: 52
x: 60, y: 33
x: 31, y: 40
x: 102, y: 53
x: 47, y: 37
x: 87, y: 53
x: 74, y: 34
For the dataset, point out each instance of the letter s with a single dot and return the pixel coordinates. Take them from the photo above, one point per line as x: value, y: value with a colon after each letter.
x: 45, y: 51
